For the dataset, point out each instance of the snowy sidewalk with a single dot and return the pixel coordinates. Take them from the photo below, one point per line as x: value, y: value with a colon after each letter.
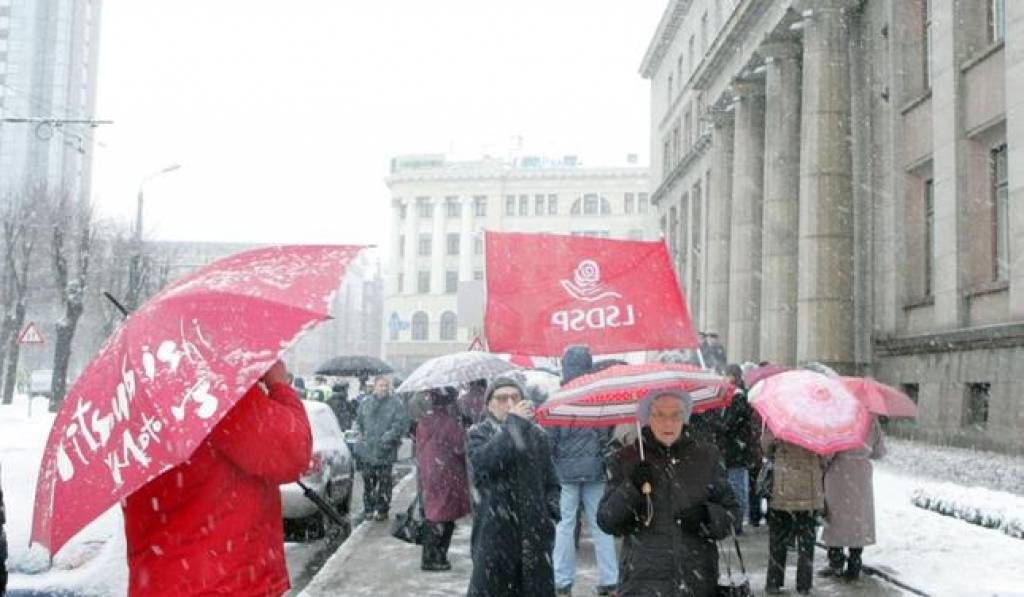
x: 373, y: 563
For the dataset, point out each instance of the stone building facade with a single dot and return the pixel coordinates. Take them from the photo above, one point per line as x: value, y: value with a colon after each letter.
x: 440, y: 209
x: 844, y: 183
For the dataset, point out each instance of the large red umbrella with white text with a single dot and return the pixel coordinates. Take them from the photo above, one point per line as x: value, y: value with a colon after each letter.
x: 171, y: 371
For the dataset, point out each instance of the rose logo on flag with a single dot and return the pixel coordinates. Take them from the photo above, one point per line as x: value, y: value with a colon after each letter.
x: 586, y: 285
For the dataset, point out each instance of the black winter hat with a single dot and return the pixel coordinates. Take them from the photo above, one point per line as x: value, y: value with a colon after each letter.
x: 576, y: 361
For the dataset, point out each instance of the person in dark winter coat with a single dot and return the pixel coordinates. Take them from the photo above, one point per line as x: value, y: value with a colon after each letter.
x: 443, y: 485
x: 213, y: 524
x: 734, y: 441
x: 797, y: 494
x: 345, y: 410
x: 516, y: 492
x: 382, y: 422
x: 668, y: 546
x: 578, y: 454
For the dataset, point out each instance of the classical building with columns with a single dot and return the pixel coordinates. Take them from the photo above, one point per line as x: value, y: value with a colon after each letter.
x: 440, y: 209
x: 842, y: 181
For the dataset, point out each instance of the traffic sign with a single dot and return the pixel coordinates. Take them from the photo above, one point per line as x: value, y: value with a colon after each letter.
x: 31, y: 335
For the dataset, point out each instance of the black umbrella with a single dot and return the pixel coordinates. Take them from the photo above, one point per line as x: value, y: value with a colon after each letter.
x: 354, y: 366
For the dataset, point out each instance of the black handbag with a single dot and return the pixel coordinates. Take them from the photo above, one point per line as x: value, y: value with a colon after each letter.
x: 729, y: 586
x: 410, y: 526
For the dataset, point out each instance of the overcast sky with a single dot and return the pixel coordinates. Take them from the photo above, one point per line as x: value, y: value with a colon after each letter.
x: 284, y: 115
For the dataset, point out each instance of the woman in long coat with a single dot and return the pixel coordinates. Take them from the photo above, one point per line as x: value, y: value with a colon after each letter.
x: 668, y: 546
x: 441, y: 466
x: 515, y: 505
x: 850, y: 505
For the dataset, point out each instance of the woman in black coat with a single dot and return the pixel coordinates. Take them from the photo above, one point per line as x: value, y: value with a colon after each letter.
x: 668, y: 543
x: 515, y: 499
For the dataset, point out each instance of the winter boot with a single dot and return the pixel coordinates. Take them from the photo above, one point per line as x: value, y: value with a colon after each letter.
x: 836, y: 560
x: 853, y: 564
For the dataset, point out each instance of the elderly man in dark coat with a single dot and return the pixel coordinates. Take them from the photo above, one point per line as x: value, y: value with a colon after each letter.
x: 516, y: 498
x: 382, y: 422
x: 668, y: 546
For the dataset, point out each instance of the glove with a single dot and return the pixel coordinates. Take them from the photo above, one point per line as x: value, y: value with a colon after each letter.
x: 643, y: 473
x: 693, y: 517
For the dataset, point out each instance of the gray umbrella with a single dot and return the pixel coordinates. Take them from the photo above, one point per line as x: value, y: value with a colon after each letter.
x: 455, y: 370
x: 354, y: 366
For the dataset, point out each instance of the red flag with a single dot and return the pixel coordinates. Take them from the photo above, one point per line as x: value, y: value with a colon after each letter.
x: 546, y: 292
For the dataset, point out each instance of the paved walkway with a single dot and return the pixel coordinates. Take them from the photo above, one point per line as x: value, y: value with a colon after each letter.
x: 371, y: 562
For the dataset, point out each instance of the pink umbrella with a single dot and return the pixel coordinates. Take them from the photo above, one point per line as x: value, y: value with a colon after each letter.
x: 171, y: 371
x: 880, y: 398
x: 610, y: 397
x: 811, y: 410
x: 761, y: 373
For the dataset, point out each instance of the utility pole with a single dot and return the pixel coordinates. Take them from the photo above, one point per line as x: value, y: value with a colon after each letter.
x: 135, y: 266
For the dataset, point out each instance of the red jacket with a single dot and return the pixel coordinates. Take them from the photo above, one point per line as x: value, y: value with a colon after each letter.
x: 212, y: 526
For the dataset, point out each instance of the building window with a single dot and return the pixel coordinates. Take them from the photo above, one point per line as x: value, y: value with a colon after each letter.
x: 704, y: 41
x: 480, y: 206
x: 552, y: 205
x: 688, y: 127
x: 478, y: 274
x: 592, y: 204
x: 642, y: 203
x: 403, y: 211
x: 679, y: 67
x: 401, y: 245
x: 478, y: 244
x: 676, y: 145
x: 393, y: 330
x: 996, y: 20
x: 912, y: 390
x: 420, y: 325
x: 628, y: 205
x: 976, y: 406
x: 423, y: 247
x: 452, y: 242
x: 696, y: 250
x: 510, y: 205
x: 539, y: 205
x: 926, y: 48
x: 451, y: 282
x: 693, y: 53
x: 1001, y: 221
x: 423, y: 282
x: 401, y: 282
x: 453, y: 208
x: 449, y: 325
x: 524, y: 205
x: 929, y: 236
x: 670, y: 90
x: 666, y: 157
x: 670, y: 232
x: 424, y: 208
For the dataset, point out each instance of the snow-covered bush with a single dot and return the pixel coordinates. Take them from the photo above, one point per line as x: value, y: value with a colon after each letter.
x: 976, y: 468
x: 984, y: 507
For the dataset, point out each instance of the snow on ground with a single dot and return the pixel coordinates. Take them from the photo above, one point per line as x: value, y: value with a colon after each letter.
x: 973, y: 468
x: 93, y: 562
x: 939, y: 554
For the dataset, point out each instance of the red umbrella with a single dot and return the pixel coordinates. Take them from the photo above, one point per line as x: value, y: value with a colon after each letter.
x: 171, y: 371
x: 761, y: 373
x: 610, y: 397
x: 521, y: 360
x: 880, y: 398
x: 811, y: 410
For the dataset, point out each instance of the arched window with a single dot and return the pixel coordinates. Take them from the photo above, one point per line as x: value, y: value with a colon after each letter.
x: 420, y: 325
x: 448, y: 325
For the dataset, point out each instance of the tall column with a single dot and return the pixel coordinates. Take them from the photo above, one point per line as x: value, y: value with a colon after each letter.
x: 825, y: 325
x: 745, y: 237
x: 1014, y: 53
x: 411, y: 247
x: 719, y: 206
x: 437, y: 248
x: 466, y: 240
x: 781, y: 203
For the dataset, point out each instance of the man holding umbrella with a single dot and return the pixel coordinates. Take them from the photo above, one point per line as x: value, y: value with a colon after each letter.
x: 213, y: 524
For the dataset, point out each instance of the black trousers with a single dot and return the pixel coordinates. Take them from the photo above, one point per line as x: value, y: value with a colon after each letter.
x: 437, y: 538
x: 783, y: 528
x: 377, y: 488
x: 756, y: 508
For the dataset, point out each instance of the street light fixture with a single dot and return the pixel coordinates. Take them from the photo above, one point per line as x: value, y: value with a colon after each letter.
x: 135, y: 274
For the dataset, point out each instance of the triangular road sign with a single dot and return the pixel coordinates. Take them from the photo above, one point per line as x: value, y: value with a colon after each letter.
x: 31, y: 335
x: 477, y: 345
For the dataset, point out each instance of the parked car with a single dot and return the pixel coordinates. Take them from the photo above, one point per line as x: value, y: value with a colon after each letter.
x: 40, y: 383
x: 330, y: 475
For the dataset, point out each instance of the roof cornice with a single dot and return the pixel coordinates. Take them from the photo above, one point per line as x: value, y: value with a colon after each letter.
x: 539, y: 174
x: 667, y: 28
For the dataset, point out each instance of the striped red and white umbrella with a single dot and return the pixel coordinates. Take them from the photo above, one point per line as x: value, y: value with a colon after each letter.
x: 611, y: 396
x: 811, y: 410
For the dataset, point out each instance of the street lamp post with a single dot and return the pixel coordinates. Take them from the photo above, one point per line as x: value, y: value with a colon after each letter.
x: 135, y: 265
